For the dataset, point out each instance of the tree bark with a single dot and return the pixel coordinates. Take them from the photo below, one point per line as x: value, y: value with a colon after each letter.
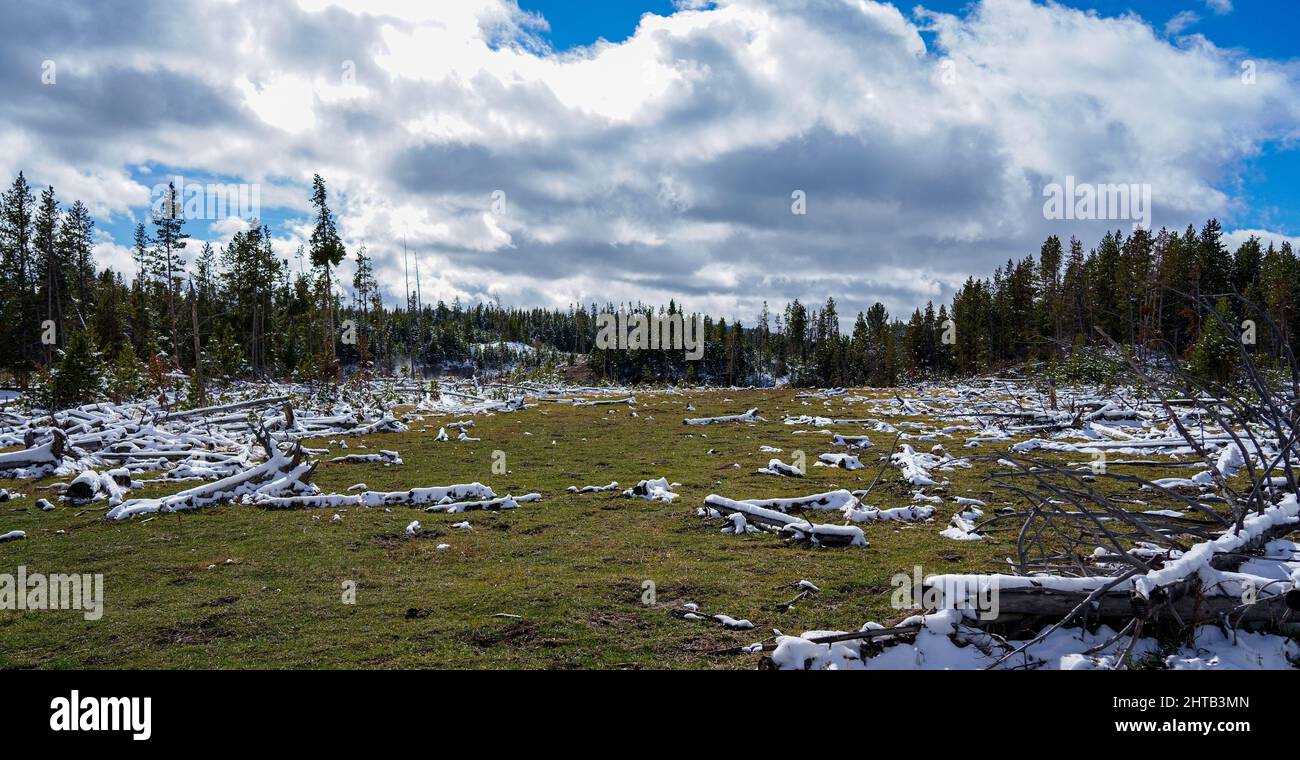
x: 198, y: 352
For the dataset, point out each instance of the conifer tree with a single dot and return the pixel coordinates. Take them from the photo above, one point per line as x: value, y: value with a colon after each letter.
x: 17, y: 275
x: 169, y: 237
x: 1214, y: 356
x: 50, y: 269
x: 326, y: 251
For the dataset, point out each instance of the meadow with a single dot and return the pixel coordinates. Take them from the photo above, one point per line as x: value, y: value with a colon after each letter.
x: 571, y: 581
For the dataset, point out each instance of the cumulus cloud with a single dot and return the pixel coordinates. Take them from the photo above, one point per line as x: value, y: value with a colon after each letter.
x: 1266, y: 238
x: 664, y: 166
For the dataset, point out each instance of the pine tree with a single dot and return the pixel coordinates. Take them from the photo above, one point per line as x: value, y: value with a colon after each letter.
x: 79, y: 379
x: 170, y: 237
x: 1075, y: 291
x: 326, y: 251
x: 110, y: 317
x: 142, y: 252
x: 367, y: 300
x: 1214, y: 263
x: 1214, y: 356
x: 878, y: 339
x: 1049, y: 289
x: 124, y: 378
x: 17, y: 308
x: 50, y: 268
x: 77, y: 250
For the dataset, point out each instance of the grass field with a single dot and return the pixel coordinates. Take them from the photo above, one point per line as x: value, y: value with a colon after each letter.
x: 238, y: 586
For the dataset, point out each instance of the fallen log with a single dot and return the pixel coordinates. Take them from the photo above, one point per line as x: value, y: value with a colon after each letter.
x: 280, y: 473
x: 749, y: 416
x: 412, y: 497
x: 777, y: 467
x: 1200, y: 586
x: 47, y: 454
x: 505, y: 502
x: 630, y: 401
x: 868, y: 635
x: 1031, y: 602
x: 206, y: 410
x: 787, y: 525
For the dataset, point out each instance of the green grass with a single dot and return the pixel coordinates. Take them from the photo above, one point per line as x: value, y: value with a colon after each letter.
x: 237, y: 586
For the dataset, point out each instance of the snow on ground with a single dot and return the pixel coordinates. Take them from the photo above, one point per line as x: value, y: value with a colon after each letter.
x: 100, y: 448
x: 946, y: 643
x: 658, y: 489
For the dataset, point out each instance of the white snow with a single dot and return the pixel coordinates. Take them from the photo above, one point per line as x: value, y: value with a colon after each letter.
x: 652, y: 490
x: 748, y: 416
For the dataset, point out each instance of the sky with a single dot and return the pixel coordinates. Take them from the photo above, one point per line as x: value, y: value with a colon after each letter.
x: 723, y: 154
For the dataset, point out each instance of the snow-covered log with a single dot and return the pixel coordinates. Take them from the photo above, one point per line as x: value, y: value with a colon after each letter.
x: 787, y: 525
x: 828, y: 501
x: 505, y: 502
x: 90, y: 485
x: 280, y: 474
x: 1200, y: 585
x: 749, y: 416
x: 894, y: 514
x: 843, y: 461
x: 47, y: 456
x: 657, y: 489
x: 384, y: 456
x: 207, y: 411
x: 386, y: 424
x: 777, y: 467
x: 630, y: 401
x: 409, y: 498
x: 805, y: 419
x: 612, y: 486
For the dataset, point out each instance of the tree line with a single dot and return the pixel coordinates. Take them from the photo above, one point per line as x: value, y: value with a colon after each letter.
x: 71, y: 332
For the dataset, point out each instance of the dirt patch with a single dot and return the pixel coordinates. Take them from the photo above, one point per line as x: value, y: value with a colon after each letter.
x: 394, y: 540
x: 203, y: 631
x: 618, y: 620
x: 221, y: 601
x: 698, y: 645
x: 518, y: 633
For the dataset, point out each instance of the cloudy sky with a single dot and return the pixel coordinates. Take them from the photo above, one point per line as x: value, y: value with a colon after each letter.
x: 546, y: 152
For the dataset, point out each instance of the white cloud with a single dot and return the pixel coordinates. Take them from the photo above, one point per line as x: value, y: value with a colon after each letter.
x: 655, y: 168
x: 283, y: 102
x: 1235, y: 238
x: 1181, y: 21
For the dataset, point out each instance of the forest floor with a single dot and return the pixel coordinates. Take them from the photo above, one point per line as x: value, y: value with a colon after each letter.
x: 237, y: 586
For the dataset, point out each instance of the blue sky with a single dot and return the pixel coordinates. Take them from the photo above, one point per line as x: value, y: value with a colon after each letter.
x: 1267, y: 27
x: 663, y: 164
x: 581, y: 22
